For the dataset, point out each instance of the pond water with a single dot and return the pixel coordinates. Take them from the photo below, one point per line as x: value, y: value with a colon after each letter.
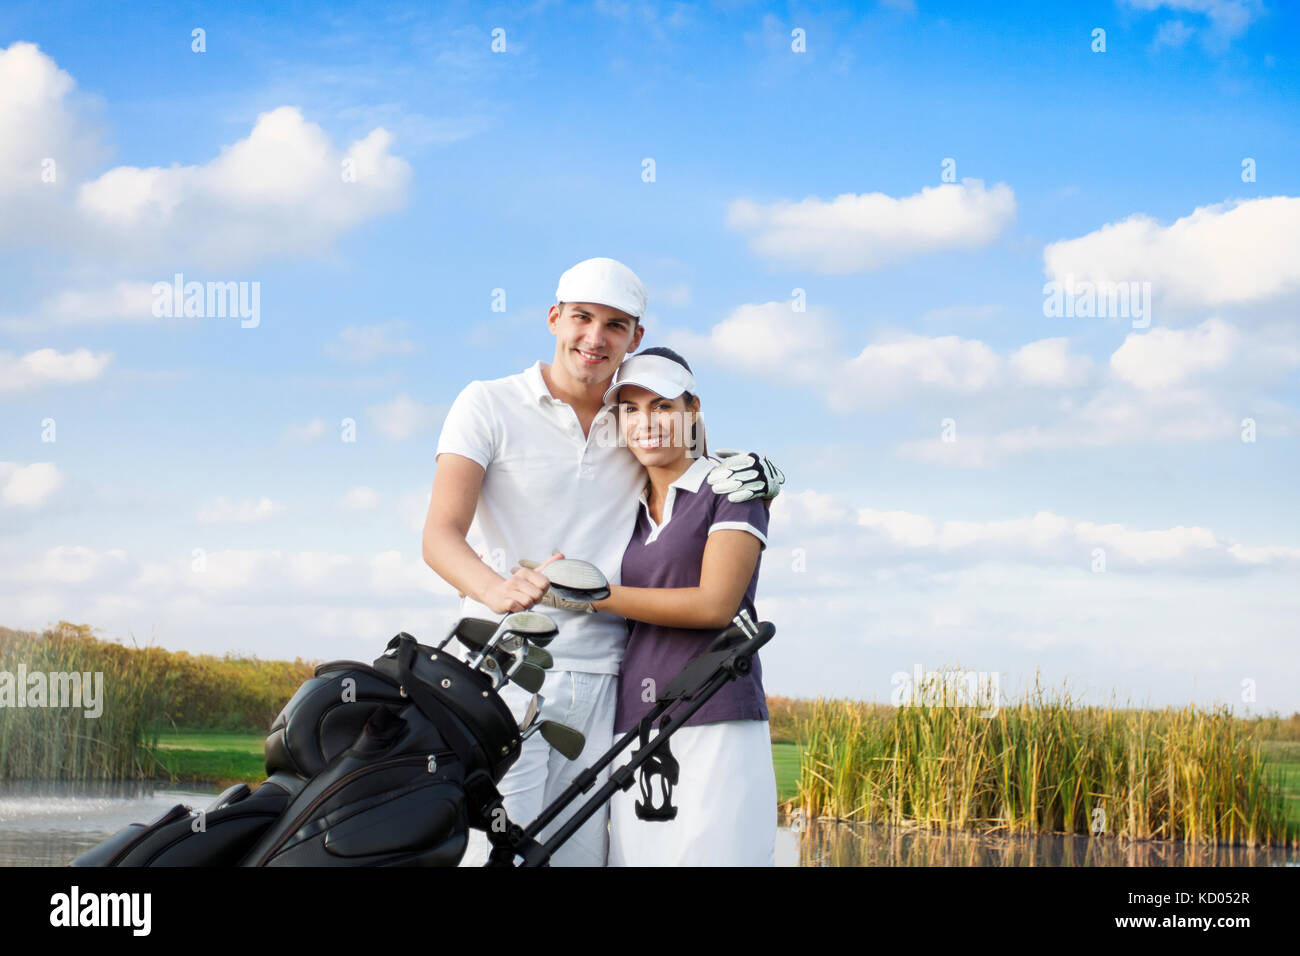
x: 50, y: 824
x: 828, y: 843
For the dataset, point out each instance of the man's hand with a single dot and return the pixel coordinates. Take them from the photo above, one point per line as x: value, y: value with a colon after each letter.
x: 743, y: 475
x: 524, y: 588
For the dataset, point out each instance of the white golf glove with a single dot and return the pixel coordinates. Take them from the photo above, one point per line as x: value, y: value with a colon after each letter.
x: 743, y: 475
x: 550, y: 599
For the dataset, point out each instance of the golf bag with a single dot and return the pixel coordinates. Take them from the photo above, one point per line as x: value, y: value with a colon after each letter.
x: 366, y: 766
x: 390, y: 764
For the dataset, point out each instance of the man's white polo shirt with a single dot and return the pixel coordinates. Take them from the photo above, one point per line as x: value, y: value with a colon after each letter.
x: 546, y: 486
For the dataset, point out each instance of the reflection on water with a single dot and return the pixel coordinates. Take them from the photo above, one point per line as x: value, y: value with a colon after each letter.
x: 826, y: 843
x: 49, y: 824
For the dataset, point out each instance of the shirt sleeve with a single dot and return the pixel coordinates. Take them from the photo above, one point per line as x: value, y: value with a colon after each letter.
x: 748, y: 516
x: 469, y: 429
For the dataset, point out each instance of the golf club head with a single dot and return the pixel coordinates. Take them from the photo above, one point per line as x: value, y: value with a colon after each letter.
x: 576, y: 580
x: 540, y: 658
x: 537, y: 627
x: 528, y: 676
x: 531, y: 624
x: 564, y: 739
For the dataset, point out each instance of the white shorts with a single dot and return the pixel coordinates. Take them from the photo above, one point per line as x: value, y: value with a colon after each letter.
x: 725, y: 798
x: 584, y: 702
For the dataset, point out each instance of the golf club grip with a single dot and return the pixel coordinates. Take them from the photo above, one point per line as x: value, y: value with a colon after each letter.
x: 734, y: 636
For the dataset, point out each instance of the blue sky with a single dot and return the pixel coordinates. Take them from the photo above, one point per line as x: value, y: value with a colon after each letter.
x: 497, y: 170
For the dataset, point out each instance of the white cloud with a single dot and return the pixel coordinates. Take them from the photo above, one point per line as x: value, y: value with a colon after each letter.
x: 39, y: 125
x: 360, y: 498
x: 280, y: 191
x: 1226, y: 19
x: 74, y: 564
x: 1173, y: 34
x: 1164, y: 357
x: 413, y: 509
x: 892, y: 537
x: 1235, y: 253
x: 367, y: 342
x: 404, y: 417
x: 305, y: 433
x: 803, y: 348
x: 222, y: 510
x: 28, y: 486
x: 121, y: 302
x: 284, y: 190
x: 225, y: 577
x: 864, y: 233
x: 767, y: 337
x: 1049, y: 363
x: 50, y: 367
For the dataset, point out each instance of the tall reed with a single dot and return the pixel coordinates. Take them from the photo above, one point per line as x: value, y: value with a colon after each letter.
x: 1041, y: 764
x: 146, y: 690
x: 63, y: 743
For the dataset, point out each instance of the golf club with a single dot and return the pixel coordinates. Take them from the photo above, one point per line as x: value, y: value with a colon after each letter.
x: 535, y: 626
x: 576, y: 580
x: 534, y: 708
x: 565, y: 739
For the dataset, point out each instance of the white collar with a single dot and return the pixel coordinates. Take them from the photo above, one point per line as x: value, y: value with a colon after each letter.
x: 537, y: 390
x: 689, y: 480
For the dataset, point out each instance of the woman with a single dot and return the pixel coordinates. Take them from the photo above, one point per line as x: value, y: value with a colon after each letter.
x: 690, y: 567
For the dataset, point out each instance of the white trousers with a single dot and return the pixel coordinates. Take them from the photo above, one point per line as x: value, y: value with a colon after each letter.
x: 584, y: 702
x: 725, y: 799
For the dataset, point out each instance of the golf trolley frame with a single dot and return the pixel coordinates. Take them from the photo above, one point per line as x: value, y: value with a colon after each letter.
x: 727, y: 658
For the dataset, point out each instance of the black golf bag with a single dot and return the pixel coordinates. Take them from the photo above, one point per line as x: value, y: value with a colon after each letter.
x: 366, y: 765
x: 391, y: 764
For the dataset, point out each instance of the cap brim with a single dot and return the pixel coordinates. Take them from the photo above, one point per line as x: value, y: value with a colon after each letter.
x: 660, y: 386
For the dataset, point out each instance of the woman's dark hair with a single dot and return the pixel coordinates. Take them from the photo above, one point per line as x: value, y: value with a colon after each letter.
x: 699, y: 443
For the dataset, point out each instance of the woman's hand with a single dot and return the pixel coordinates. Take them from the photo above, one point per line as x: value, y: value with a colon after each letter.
x: 550, y: 598
x: 523, y: 589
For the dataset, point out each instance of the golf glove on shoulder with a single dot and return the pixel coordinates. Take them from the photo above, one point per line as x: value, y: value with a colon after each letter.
x: 743, y: 475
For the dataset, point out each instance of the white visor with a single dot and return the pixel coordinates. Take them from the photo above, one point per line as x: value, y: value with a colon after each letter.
x: 660, y: 375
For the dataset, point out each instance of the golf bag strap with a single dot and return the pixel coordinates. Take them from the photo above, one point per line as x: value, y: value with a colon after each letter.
x: 661, y: 764
x: 469, y: 752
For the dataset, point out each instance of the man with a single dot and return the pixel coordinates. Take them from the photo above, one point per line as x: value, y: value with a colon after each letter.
x: 528, y: 460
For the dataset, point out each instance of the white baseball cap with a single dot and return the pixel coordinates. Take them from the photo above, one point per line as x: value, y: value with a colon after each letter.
x: 605, y: 282
x: 660, y: 375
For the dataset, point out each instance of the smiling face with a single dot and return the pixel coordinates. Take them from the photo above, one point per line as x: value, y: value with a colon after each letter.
x: 657, y: 429
x: 591, y: 340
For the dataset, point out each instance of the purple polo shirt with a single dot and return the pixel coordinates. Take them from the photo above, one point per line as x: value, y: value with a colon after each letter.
x: 669, y: 555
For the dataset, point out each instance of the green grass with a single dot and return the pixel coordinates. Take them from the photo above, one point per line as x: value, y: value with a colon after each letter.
x: 219, y: 758
x: 1284, y: 760
x: 785, y: 758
